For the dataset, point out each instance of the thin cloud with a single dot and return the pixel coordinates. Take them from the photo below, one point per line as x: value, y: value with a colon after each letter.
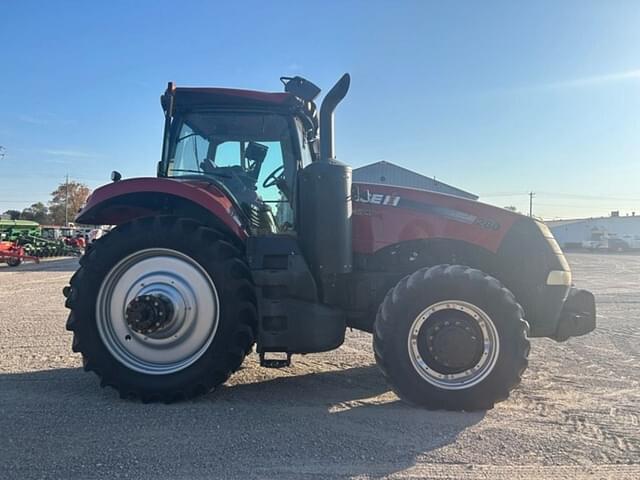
x: 583, y: 82
x: 593, y: 81
x: 58, y: 161
x: 42, y: 119
x: 69, y: 153
x: 294, y: 67
x: 33, y: 120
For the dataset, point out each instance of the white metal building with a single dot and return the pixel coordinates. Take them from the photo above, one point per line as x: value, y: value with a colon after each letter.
x: 577, y: 232
x: 391, y: 174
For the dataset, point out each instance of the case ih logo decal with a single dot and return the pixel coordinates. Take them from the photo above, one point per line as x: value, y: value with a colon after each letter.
x: 449, y: 213
x: 377, y: 198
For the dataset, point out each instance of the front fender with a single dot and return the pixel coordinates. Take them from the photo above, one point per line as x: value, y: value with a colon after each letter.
x: 123, y: 201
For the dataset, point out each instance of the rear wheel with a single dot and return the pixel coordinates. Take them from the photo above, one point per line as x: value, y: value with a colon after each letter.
x: 162, y: 309
x: 451, y: 337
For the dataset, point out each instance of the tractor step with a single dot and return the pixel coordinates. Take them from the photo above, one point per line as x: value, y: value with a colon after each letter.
x: 279, y: 359
x: 291, y: 319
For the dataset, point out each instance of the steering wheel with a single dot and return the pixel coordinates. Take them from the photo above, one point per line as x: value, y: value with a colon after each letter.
x: 274, y: 177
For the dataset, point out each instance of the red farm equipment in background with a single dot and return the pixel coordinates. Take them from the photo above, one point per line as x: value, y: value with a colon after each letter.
x: 13, y: 254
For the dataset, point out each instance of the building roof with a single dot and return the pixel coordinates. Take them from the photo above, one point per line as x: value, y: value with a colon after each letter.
x: 388, y: 173
x: 559, y: 223
x: 568, y: 221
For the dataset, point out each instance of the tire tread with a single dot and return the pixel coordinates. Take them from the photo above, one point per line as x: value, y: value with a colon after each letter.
x: 408, y: 291
x: 239, y: 297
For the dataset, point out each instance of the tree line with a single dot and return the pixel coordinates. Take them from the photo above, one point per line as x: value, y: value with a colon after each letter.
x: 66, y: 200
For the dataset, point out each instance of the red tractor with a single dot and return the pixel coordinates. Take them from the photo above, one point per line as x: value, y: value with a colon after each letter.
x: 253, y: 233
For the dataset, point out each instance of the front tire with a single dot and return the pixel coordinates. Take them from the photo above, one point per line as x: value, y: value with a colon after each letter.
x: 162, y: 308
x: 452, y: 338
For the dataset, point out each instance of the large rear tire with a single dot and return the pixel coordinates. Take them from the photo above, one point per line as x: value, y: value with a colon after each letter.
x: 162, y: 308
x: 452, y: 338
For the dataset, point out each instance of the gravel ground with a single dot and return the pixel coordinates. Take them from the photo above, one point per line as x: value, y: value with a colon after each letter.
x: 577, y: 413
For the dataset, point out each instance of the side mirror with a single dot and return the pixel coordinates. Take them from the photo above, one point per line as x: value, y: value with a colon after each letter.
x: 300, y: 87
x: 116, y: 176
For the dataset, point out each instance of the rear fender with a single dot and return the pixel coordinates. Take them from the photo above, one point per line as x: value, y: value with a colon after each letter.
x: 120, y: 202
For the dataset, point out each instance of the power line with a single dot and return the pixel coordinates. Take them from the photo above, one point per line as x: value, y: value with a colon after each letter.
x: 561, y: 195
x: 564, y: 205
x: 490, y: 195
x: 589, y: 197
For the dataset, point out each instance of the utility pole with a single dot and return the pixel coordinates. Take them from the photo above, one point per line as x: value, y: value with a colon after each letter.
x: 531, y: 195
x: 66, y: 202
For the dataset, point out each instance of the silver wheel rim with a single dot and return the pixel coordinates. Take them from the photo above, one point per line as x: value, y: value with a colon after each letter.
x: 471, y: 376
x: 181, y: 281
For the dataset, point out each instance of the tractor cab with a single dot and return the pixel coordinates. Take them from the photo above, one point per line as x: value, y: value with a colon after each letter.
x: 263, y: 151
x: 250, y: 144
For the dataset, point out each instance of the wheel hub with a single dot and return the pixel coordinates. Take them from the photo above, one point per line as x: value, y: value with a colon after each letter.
x: 148, y: 314
x: 453, y: 344
x: 453, y: 341
x: 157, y: 311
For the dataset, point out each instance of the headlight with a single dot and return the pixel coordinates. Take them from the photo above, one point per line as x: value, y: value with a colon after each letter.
x: 559, y: 277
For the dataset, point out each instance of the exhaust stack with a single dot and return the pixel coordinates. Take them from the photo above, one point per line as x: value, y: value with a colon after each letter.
x: 329, y: 104
x: 324, y: 221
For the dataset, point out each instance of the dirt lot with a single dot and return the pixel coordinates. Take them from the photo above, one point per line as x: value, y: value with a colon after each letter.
x: 577, y: 413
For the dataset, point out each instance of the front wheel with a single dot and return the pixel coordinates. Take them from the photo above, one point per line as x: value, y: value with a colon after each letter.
x: 162, y: 309
x: 451, y: 337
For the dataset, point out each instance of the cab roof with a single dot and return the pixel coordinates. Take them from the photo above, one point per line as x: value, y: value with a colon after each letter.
x: 193, y: 97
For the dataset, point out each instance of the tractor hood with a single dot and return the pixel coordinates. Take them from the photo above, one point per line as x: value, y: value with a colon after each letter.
x: 385, y: 215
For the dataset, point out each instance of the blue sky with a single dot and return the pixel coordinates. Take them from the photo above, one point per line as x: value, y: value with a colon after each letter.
x: 498, y: 98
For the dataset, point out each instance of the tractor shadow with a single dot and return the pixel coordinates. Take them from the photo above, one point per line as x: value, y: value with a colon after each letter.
x: 350, y: 418
x: 331, y: 424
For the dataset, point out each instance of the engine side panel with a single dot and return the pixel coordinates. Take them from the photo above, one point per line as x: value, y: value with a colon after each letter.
x: 400, y: 230
x: 384, y: 215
